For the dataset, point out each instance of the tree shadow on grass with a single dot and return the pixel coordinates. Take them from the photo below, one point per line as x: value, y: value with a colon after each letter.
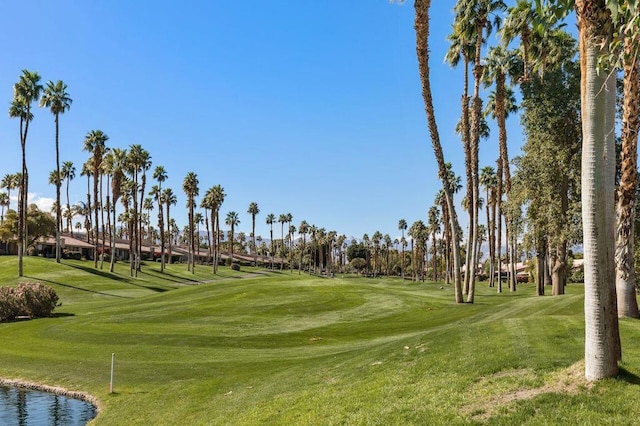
x: 99, y: 272
x: 168, y: 276
x: 79, y: 288
x: 62, y: 315
x: 628, y: 376
x: 114, y: 276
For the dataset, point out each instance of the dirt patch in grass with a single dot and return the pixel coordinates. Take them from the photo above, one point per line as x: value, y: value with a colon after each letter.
x: 495, y: 393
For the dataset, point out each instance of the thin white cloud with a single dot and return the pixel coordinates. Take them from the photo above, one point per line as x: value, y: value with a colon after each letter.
x: 44, y: 203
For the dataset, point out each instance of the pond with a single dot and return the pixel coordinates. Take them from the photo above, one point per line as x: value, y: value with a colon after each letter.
x: 22, y: 407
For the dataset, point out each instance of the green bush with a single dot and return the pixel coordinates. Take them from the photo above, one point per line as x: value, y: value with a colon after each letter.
x: 235, y: 266
x: 576, y: 276
x: 32, y: 300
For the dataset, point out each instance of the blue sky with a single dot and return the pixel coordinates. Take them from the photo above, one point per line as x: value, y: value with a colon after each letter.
x: 307, y: 107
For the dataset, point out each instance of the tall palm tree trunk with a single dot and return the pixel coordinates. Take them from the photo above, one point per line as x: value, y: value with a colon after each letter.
x: 602, y: 339
x: 58, y: 209
x: 112, y: 260
x: 102, y: 224
x: 21, y: 203
x: 499, y: 174
x: 69, y: 219
x: 96, y: 223
x: 422, y: 50
x: 625, y: 244
x: 169, y: 234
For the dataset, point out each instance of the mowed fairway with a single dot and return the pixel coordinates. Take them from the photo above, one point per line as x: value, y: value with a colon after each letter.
x: 262, y: 347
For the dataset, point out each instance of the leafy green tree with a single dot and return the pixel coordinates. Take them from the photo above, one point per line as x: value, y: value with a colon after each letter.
x: 39, y: 223
x: 56, y: 98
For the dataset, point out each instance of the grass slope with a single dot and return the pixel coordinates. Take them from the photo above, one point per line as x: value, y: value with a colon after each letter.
x: 268, y: 347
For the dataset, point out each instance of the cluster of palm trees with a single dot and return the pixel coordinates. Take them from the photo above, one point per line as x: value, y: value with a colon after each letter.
x: 609, y: 38
x: 54, y: 96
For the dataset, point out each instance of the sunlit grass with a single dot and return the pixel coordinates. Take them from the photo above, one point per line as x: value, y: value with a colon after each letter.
x: 278, y: 348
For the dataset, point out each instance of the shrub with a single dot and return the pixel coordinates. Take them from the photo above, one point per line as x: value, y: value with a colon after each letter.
x: 10, y: 303
x: 32, y: 300
x: 235, y: 266
x: 577, y: 276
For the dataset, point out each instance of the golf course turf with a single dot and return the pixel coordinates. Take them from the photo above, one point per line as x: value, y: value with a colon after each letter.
x: 269, y: 347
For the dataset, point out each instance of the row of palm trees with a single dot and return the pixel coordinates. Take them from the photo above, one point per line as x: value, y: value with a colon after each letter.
x: 609, y: 37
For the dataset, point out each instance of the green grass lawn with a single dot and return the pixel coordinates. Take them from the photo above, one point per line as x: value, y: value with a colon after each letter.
x: 262, y: 347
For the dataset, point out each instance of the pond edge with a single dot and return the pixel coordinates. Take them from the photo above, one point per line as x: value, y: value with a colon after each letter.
x: 82, y: 396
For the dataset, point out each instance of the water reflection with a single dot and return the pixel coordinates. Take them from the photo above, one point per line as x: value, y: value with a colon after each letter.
x: 22, y: 407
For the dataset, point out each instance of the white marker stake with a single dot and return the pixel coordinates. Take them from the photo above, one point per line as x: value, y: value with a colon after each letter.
x: 113, y: 359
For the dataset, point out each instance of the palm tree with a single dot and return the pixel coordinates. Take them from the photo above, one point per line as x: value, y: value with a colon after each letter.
x: 232, y: 220
x: 139, y: 162
x: 206, y: 204
x: 160, y: 175
x: 499, y: 62
x: 518, y: 23
x: 253, y: 210
x: 602, y: 337
x: 198, y: 219
x: 4, y: 202
x: 289, y: 220
x: 147, y: 205
x: 169, y: 199
x: 375, y: 239
x: 422, y: 50
x: 190, y: 188
x: 402, y: 226
x: 303, y: 229
x: 115, y: 164
x: 25, y: 92
x: 489, y: 180
x: 68, y: 173
x: 434, y: 228
x: 95, y: 143
x: 10, y: 181
x: 282, y: 219
x: 271, y: 219
x: 217, y: 198
x: 478, y: 15
x: 56, y: 98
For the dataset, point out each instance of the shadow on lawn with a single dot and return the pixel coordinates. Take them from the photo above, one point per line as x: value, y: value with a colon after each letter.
x: 628, y: 376
x: 109, y: 275
x: 169, y: 277
x: 78, y: 288
x: 104, y: 274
